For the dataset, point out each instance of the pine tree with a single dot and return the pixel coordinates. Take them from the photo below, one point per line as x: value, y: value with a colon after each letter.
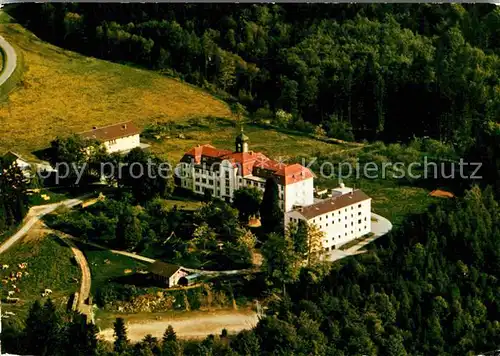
x: 121, y: 341
x: 170, y: 346
x: 81, y: 337
x: 35, y: 330
x: 270, y: 213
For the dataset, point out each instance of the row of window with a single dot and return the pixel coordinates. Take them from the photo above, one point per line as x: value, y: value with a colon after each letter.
x: 345, y: 234
x: 352, y: 223
x: 200, y: 189
x: 339, y: 213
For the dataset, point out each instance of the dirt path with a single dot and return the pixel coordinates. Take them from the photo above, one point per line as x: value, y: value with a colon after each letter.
x: 34, y: 215
x: 198, y: 325
x: 84, y: 292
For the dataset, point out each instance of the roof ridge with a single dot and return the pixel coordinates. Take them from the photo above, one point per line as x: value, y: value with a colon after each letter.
x: 103, y: 127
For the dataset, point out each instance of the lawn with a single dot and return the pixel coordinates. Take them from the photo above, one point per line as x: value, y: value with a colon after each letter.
x: 63, y: 92
x: 103, y: 271
x: 50, y: 265
x: 277, y: 144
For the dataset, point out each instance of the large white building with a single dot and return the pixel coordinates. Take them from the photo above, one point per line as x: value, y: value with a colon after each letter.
x: 120, y: 137
x: 222, y: 172
x: 343, y: 217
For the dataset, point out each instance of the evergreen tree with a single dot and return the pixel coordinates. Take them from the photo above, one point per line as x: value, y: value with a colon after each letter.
x: 128, y: 230
x: 121, y: 343
x: 271, y: 214
x: 81, y: 337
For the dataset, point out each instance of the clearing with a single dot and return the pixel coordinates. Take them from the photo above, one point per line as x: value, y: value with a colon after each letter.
x: 186, y: 325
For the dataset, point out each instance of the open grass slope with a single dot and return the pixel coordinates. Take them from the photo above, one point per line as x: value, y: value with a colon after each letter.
x: 279, y: 145
x: 106, y: 266
x: 50, y: 265
x: 63, y: 92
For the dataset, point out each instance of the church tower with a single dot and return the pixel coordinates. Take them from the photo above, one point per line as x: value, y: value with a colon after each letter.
x: 241, y: 142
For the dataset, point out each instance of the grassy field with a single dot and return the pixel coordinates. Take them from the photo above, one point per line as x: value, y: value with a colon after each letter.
x: 50, y: 265
x: 102, y: 272
x: 390, y: 199
x: 63, y: 92
x: 221, y: 134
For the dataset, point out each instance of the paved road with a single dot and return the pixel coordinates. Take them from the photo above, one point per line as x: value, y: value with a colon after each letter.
x: 37, y: 213
x: 10, y: 60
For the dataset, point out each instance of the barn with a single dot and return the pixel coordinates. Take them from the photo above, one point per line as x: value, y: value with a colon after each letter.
x: 166, y: 273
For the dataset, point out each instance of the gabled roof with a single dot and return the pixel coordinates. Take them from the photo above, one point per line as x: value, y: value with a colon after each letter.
x: 332, y: 204
x: 251, y: 163
x: 163, y: 269
x: 112, y: 132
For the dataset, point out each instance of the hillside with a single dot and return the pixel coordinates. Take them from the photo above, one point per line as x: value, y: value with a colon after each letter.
x: 63, y: 92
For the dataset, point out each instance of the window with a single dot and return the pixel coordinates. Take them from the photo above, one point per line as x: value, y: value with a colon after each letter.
x: 197, y: 187
x: 359, y: 205
x: 352, y: 207
x: 204, y: 180
x: 359, y: 213
x: 359, y: 221
x: 365, y: 218
x: 227, y: 174
x: 352, y: 223
x: 346, y: 226
x: 326, y: 224
x: 291, y: 219
x: 197, y: 179
x: 227, y: 191
x: 211, y: 181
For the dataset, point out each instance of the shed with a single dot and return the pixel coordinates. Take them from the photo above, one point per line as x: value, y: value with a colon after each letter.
x: 167, y: 273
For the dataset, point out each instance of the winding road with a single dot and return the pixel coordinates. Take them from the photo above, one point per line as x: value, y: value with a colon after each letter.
x: 10, y: 60
x: 34, y: 215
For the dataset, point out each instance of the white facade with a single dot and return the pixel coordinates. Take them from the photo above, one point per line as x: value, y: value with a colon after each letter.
x: 123, y: 144
x: 223, y: 182
x: 343, y: 222
x: 299, y: 194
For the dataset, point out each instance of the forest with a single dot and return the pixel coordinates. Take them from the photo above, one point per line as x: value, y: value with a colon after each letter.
x: 385, y: 71
x: 376, y: 72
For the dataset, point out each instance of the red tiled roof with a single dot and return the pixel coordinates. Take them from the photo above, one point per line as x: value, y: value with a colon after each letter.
x: 112, y: 132
x: 255, y: 163
x: 293, y: 173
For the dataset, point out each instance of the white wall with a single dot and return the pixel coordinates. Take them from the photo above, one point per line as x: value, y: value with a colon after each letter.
x: 340, y: 226
x: 300, y: 193
x: 123, y: 144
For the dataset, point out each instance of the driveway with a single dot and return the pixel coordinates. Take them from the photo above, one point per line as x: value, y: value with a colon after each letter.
x: 10, y: 60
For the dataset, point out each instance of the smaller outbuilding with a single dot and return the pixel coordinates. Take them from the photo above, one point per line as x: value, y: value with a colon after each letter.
x: 167, y: 273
